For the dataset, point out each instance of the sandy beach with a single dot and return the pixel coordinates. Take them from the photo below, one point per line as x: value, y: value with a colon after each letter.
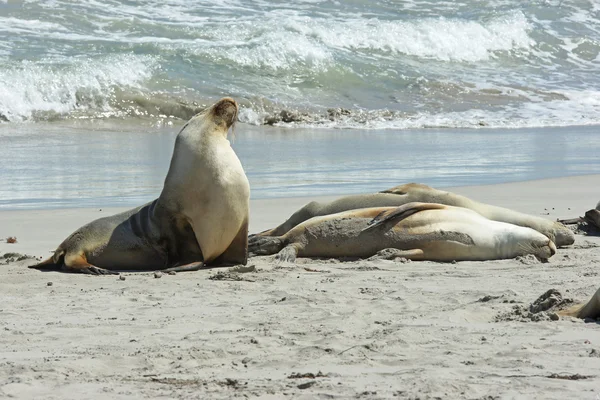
x: 314, y: 329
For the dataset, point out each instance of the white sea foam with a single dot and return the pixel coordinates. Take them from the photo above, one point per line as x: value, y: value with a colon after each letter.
x: 414, y: 64
x: 441, y: 38
x: 28, y: 88
x: 16, y: 25
x: 574, y: 108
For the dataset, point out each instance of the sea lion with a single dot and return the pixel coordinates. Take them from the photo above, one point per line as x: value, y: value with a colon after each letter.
x: 591, y: 309
x: 415, y: 192
x: 419, y: 231
x: 200, y: 217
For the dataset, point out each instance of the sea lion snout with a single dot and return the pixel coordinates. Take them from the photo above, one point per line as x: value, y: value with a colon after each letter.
x: 226, y: 110
x: 552, y: 247
x: 545, y: 250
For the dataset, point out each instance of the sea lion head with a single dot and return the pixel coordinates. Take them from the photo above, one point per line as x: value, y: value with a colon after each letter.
x: 560, y: 234
x: 223, y: 113
x: 533, y: 242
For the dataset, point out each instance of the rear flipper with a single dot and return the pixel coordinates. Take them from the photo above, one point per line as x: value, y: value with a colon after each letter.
x: 76, y: 263
x: 48, y: 264
x: 390, y: 218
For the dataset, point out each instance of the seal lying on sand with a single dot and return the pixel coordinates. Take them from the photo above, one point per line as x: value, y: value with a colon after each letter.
x: 591, y: 309
x: 201, y: 216
x: 403, y: 194
x: 420, y: 231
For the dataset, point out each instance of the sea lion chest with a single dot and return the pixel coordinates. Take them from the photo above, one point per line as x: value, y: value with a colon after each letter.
x: 212, y: 191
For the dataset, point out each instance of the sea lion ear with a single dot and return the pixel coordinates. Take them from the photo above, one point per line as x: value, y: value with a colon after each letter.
x: 225, y: 110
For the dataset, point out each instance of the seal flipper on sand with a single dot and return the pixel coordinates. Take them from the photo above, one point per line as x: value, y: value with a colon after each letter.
x: 392, y: 253
x: 400, y: 213
x: 70, y: 263
x: 288, y: 254
x: 194, y: 266
x: 591, y: 309
x: 265, y: 245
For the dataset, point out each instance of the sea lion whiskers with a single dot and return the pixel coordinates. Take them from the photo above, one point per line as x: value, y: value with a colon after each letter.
x: 527, y: 248
x: 532, y: 248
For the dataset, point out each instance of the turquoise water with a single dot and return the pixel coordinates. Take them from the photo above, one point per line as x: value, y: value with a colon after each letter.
x: 86, y: 164
x: 339, y: 64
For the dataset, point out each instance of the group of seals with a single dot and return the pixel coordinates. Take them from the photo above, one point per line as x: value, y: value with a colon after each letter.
x: 414, y: 192
x: 200, y: 217
x: 416, y: 231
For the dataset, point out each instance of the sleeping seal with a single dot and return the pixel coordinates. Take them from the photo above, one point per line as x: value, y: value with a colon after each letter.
x: 420, y: 231
x: 416, y: 192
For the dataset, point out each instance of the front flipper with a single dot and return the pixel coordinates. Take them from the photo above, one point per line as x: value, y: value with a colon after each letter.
x: 388, y: 218
x: 392, y: 254
x: 287, y: 254
x: 195, y: 266
x: 237, y: 252
x: 265, y: 245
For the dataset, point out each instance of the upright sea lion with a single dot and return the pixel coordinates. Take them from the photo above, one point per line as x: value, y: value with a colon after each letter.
x: 200, y: 217
x: 414, y: 192
x: 591, y: 309
x: 420, y: 231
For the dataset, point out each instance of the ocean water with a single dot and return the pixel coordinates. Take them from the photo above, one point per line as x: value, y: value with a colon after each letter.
x: 101, y: 164
x: 358, y: 64
x: 363, y: 95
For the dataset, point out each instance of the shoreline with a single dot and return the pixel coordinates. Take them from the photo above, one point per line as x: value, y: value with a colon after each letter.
x: 297, y: 199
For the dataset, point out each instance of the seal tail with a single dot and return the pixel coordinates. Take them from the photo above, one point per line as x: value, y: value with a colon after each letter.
x: 400, y: 213
x: 54, y: 262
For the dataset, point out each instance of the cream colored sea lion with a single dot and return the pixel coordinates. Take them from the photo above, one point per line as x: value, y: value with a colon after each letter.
x: 591, y: 309
x: 200, y: 217
x: 420, y: 231
x: 414, y: 192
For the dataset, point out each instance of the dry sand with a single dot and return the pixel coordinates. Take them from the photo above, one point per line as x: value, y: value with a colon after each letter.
x: 316, y: 329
